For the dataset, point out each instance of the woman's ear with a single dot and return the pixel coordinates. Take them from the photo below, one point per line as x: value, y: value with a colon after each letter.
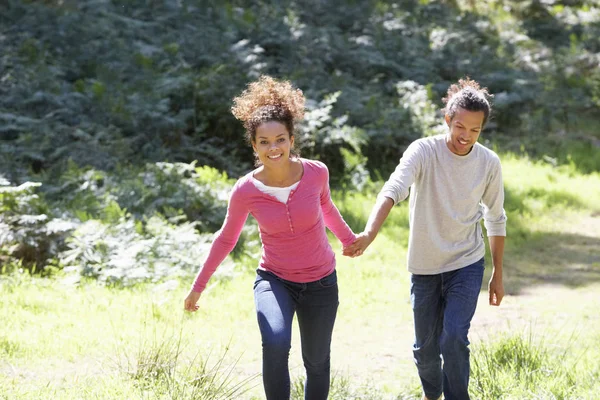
x: 448, y: 119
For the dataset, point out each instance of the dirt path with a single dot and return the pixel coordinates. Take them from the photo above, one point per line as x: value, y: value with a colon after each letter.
x: 557, y: 287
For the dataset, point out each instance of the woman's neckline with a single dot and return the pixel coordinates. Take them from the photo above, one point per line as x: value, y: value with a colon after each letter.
x: 301, y: 164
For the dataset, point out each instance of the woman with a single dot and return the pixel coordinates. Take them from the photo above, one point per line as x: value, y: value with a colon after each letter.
x: 289, y: 197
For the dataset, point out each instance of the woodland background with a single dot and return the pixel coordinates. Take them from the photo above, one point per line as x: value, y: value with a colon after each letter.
x: 118, y: 151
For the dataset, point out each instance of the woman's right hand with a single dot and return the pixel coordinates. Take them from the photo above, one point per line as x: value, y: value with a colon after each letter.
x: 190, y: 303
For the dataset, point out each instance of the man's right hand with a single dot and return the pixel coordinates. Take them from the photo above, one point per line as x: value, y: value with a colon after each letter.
x: 190, y: 303
x: 363, y: 240
x: 379, y: 213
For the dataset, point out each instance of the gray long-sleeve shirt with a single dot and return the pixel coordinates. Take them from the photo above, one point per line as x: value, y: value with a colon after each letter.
x: 449, y: 195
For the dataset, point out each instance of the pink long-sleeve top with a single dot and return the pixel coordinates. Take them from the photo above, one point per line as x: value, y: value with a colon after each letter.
x: 294, y: 241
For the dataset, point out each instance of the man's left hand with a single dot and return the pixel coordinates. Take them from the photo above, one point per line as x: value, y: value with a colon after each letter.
x: 496, y: 291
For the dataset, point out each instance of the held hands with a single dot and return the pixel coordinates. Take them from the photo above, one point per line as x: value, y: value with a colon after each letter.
x: 190, y: 301
x: 363, y: 240
x: 496, y: 291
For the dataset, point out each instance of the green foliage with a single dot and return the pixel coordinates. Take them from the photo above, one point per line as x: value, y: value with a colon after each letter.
x: 330, y: 139
x: 178, y: 191
x: 413, y: 116
x: 150, y: 82
x: 28, y: 232
x: 122, y: 228
x: 118, y: 253
x: 135, y: 224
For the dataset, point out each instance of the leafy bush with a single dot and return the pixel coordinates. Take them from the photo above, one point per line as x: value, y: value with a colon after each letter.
x: 330, y: 139
x: 144, y: 225
x: 122, y: 228
x: 148, y: 83
x: 124, y: 253
x: 178, y: 191
x: 28, y: 232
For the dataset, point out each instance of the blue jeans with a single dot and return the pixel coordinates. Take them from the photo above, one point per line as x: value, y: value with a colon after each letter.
x: 443, y: 306
x: 315, y: 304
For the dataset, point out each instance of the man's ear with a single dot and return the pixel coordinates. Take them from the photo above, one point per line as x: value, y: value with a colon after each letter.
x: 447, y: 119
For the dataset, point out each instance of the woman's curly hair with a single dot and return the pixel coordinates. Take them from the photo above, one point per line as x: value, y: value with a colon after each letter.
x: 469, y: 95
x: 268, y: 100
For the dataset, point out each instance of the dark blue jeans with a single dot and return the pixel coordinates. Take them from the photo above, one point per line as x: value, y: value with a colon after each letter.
x: 443, y: 306
x: 315, y: 304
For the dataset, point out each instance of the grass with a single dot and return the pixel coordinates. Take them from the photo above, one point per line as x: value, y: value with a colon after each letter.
x: 523, y: 366
x: 343, y: 389
x: 158, y: 368
x: 106, y: 343
x: 60, y: 341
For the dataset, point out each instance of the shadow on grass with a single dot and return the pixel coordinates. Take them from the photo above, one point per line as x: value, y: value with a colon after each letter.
x: 568, y: 259
x: 534, y: 257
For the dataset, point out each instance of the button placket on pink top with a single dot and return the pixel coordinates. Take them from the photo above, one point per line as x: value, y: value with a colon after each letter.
x: 287, y: 209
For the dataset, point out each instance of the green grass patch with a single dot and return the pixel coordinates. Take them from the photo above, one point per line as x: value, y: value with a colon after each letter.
x: 525, y: 366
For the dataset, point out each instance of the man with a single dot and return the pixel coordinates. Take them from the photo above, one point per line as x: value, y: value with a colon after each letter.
x: 454, y: 182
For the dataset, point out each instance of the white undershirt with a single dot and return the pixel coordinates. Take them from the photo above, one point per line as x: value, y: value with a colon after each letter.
x: 280, y: 193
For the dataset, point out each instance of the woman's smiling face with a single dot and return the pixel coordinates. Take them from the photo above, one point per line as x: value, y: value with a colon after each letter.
x: 272, y: 143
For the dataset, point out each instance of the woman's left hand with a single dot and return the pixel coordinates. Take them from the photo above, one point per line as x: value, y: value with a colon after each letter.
x: 363, y: 240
